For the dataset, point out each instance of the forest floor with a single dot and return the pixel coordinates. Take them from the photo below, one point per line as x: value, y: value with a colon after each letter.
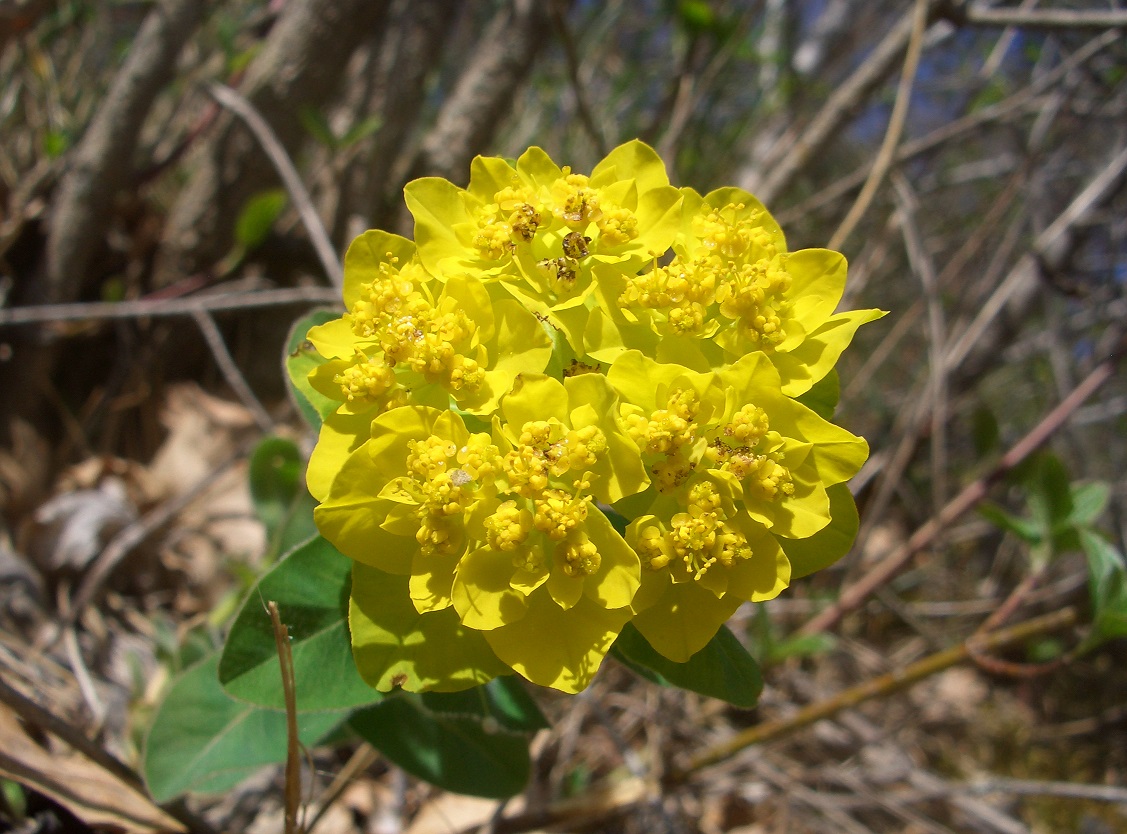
x: 970, y: 747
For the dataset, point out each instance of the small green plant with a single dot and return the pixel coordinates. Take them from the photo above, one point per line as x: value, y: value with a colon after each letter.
x: 1061, y: 518
x: 578, y: 415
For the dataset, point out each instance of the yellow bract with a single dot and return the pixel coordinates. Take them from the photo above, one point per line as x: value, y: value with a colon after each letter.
x: 569, y: 405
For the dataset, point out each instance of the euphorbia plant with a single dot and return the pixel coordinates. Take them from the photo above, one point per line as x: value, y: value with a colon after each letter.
x: 570, y: 419
x: 570, y: 405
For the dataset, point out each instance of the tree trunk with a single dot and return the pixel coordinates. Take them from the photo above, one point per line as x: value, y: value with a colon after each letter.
x: 299, y: 66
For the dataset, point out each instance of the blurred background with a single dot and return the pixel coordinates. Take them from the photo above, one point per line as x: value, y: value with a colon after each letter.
x: 970, y: 159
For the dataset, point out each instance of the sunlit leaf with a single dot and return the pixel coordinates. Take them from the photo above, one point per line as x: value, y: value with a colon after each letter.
x: 310, y: 586
x: 258, y: 216
x: 204, y: 741
x: 301, y: 358
x: 1107, y: 582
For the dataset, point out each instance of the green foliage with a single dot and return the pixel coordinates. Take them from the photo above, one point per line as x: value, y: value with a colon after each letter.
x: 723, y: 669
x: 310, y: 586
x: 473, y: 753
x: 1057, y: 509
x: 301, y: 358
x: 13, y: 802
x: 1060, y: 518
x: 502, y: 700
x: 281, y: 501
x: 985, y: 431
x: 1107, y: 582
x: 696, y: 16
x: 772, y: 649
x: 56, y: 143
x: 317, y: 126
x: 258, y: 217
x: 204, y: 741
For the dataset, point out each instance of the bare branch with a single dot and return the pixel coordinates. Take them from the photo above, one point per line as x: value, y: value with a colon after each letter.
x: 290, y: 178
x: 879, y: 574
x: 103, y: 160
x: 470, y: 116
x: 168, y: 307
x: 300, y: 65
x: 979, y: 14
x: 877, y: 687
x: 559, y: 20
x: 230, y: 371
x: 1018, y: 290
x: 1034, y: 787
x: 895, y: 129
x: 837, y: 109
x: 409, y: 53
x: 959, y: 127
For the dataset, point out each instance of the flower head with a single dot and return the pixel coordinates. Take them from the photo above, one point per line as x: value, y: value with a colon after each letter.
x: 572, y: 406
x: 736, y: 467
x: 501, y: 525
x: 540, y: 229
x: 731, y: 287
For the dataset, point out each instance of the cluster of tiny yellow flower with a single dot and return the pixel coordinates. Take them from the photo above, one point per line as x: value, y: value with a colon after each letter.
x: 572, y: 403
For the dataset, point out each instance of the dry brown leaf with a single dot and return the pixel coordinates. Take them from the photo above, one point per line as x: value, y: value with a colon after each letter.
x: 202, y: 432
x: 77, y: 524
x: 451, y: 812
x: 89, y: 792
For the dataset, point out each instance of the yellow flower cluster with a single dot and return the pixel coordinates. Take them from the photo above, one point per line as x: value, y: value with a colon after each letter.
x: 571, y: 404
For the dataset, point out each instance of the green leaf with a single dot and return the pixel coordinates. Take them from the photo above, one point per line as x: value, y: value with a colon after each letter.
x: 723, y: 669
x: 1050, y: 492
x: 277, y: 488
x: 985, y: 431
x: 502, y: 700
x: 204, y: 741
x: 301, y: 358
x: 456, y: 753
x: 311, y: 587
x: 1088, y: 502
x: 823, y: 396
x: 361, y: 130
x: 1028, y: 529
x: 1107, y: 582
x: 317, y: 126
x: 13, y: 801
x: 257, y: 217
x: 56, y: 143
x: 696, y: 16
x: 802, y: 645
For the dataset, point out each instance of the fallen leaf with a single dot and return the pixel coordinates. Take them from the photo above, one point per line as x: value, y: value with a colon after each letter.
x: 92, y: 794
x: 79, y: 523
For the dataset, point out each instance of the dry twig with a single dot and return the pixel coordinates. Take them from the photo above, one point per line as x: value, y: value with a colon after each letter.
x: 979, y: 14
x: 290, y: 178
x: 230, y: 370
x: 292, y: 792
x: 156, y: 308
x: 877, y: 687
x: 892, y: 135
x: 853, y: 595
